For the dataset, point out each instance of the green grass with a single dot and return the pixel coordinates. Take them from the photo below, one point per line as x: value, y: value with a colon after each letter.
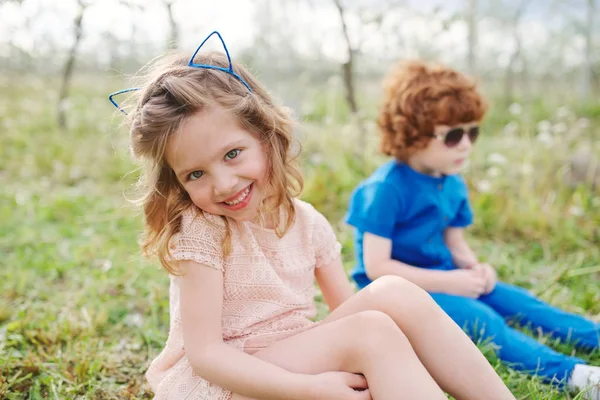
x: 82, y: 313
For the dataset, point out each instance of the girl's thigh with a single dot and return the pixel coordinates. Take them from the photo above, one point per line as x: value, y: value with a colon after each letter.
x: 328, y: 347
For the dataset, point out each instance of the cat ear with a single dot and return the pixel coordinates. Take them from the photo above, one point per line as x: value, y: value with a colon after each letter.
x: 228, y: 70
x: 112, y: 95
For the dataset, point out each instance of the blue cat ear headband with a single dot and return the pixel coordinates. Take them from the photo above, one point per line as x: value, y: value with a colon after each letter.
x: 193, y: 65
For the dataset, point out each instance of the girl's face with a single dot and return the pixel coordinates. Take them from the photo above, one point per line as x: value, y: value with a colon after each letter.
x: 221, y: 166
x: 444, y: 155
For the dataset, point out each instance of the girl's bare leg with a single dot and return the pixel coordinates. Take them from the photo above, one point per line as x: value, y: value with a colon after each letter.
x: 367, y: 342
x: 445, y: 350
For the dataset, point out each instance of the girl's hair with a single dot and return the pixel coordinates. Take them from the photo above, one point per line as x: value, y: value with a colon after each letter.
x: 173, y: 91
x: 417, y: 97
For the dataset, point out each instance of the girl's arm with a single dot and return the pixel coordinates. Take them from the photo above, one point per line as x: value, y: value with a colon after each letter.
x: 334, y: 283
x: 462, y: 255
x: 377, y: 256
x: 201, y: 299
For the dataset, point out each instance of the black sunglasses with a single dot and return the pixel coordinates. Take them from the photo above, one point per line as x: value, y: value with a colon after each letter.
x: 454, y: 136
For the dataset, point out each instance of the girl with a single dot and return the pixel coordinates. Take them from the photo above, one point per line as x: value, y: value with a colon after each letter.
x: 410, y: 215
x: 242, y: 253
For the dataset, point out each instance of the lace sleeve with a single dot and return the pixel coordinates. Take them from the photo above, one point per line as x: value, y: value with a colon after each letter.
x: 200, y: 240
x: 325, y: 243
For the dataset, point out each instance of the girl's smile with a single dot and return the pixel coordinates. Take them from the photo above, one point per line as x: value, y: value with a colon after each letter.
x: 221, y: 165
x: 240, y: 200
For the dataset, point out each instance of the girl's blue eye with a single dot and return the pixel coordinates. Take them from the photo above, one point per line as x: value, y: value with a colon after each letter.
x: 232, y: 154
x: 195, y: 175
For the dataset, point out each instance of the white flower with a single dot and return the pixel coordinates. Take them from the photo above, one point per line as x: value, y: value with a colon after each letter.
x: 544, y: 126
x: 576, y: 211
x: 134, y: 319
x: 563, y: 112
x: 316, y: 158
x: 511, y: 128
x: 483, y: 186
x: 494, y: 172
x: 497, y: 158
x: 526, y: 169
x: 515, y: 109
x: 546, y: 138
x: 583, y: 123
x: 559, y: 128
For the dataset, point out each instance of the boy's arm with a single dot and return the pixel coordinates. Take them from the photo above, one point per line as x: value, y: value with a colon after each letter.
x: 377, y: 256
x: 462, y: 254
x: 201, y: 295
x: 334, y: 283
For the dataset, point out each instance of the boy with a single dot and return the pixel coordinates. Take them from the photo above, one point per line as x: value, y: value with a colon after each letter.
x: 410, y: 214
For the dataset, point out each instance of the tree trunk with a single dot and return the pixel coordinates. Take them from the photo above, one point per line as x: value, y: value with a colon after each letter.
x: 348, y: 66
x: 516, y: 55
x: 174, y: 32
x: 586, y: 75
x: 472, y: 37
x: 68, y: 69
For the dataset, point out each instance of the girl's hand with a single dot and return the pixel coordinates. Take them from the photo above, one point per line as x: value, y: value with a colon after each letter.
x: 339, y: 386
x: 489, y: 274
x: 466, y: 282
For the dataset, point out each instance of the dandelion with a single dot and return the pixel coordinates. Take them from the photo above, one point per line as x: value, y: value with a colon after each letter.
x: 515, y: 109
x: 526, y: 169
x: 546, y: 138
x: 316, y: 158
x: 563, y: 112
x: 583, y: 123
x: 544, y: 126
x: 559, y: 128
x: 576, y: 211
x: 511, y: 128
x: 494, y: 172
x: 22, y: 197
x: 134, y: 319
x: 497, y: 158
x: 483, y: 186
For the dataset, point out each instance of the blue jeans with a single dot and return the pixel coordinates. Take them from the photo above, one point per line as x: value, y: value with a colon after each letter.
x: 484, y: 319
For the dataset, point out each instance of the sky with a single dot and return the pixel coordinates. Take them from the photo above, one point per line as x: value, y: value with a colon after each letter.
x: 44, y: 25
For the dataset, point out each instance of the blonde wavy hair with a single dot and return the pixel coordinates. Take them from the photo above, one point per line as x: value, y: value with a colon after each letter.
x: 173, y: 91
x: 417, y: 97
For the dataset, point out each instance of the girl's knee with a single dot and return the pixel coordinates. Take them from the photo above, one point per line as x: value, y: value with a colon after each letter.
x: 372, y: 326
x: 398, y: 290
x: 373, y: 332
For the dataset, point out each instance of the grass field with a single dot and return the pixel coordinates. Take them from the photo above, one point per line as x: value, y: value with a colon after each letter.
x: 82, y: 313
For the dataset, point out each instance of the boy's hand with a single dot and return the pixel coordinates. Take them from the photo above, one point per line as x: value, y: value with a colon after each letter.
x: 489, y: 274
x: 466, y: 282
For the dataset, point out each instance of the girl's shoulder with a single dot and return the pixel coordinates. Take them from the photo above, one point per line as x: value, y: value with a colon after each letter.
x: 308, y: 217
x: 196, y: 222
x: 306, y: 213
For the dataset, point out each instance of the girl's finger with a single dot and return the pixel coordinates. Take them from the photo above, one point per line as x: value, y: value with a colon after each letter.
x: 364, y: 395
x: 356, y: 381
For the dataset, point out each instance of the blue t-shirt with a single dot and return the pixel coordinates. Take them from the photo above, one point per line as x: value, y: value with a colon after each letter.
x: 412, y: 210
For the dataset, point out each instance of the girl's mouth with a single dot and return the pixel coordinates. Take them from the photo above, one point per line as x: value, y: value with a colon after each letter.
x: 240, y: 200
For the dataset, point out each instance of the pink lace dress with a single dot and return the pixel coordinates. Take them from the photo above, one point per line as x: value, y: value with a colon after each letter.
x: 267, y: 295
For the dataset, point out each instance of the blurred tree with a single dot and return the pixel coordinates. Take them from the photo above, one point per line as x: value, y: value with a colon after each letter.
x: 471, y: 16
x: 173, y: 42
x: 509, y: 81
x: 70, y: 64
x: 348, y: 66
x: 587, y: 67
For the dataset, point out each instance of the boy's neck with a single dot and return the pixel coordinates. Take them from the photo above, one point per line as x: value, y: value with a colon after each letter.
x: 419, y: 167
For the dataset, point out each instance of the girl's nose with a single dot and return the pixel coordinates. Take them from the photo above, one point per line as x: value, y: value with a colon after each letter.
x: 224, y: 184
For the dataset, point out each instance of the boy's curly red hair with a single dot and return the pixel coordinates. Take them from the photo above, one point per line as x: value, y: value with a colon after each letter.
x: 418, y: 97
